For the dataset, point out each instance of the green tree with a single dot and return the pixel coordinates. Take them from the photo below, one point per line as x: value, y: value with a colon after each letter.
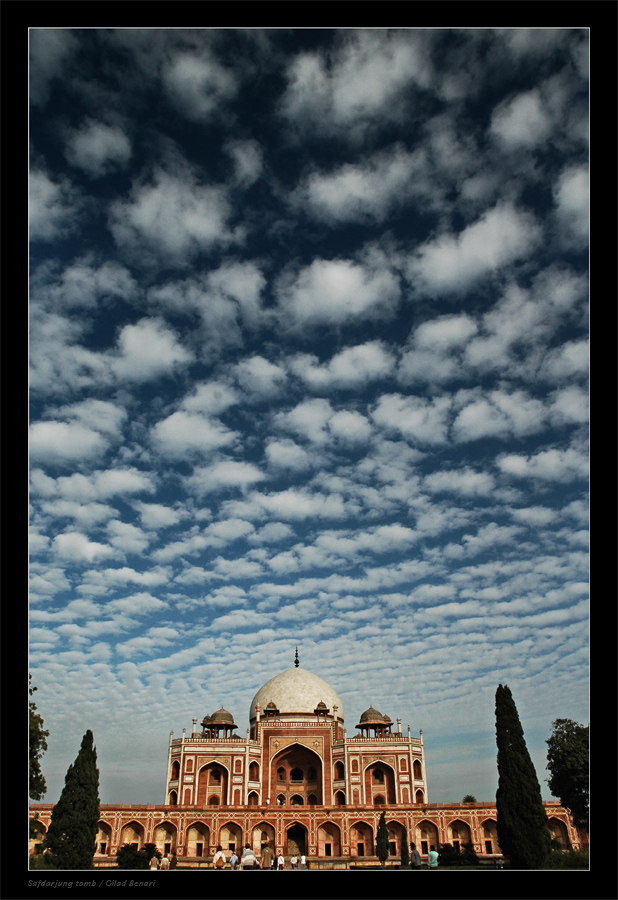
x: 568, y: 762
x: 468, y: 855
x: 382, y: 840
x: 129, y: 857
x: 405, y: 849
x: 38, y: 746
x: 521, y: 819
x: 449, y: 855
x: 469, y: 798
x: 70, y: 838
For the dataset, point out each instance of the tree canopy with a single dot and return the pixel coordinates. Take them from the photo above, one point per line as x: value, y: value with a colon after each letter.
x: 568, y: 764
x: 521, y: 818
x: 70, y: 838
x: 38, y: 746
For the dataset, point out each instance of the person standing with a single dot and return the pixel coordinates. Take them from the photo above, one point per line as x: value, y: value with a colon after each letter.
x: 234, y: 860
x: 173, y: 861
x: 415, y: 857
x: 165, y: 863
x: 433, y: 858
x: 281, y: 862
x: 268, y: 855
x: 219, y: 860
x: 294, y: 862
x: 154, y: 863
x: 249, y: 860
x: 303, y: 861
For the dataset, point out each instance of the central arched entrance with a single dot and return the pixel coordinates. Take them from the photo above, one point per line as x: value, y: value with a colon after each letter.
x: 296, y: 840
x: 296, y: 777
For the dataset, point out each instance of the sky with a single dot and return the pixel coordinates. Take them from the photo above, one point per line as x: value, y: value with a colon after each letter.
x: 308, y: 368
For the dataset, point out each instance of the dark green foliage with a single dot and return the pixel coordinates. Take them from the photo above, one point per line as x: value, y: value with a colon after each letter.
x: 522, y: 822
x: 571, y: 859
x: 468, y: 855
x: 469, y: 798
x: 38, y: 746
x: 405, y: 850
x: 382, y: 840
x: 70, y: 838
x: 568, y: 765
x: 449, y: 856
x: 129, y: 857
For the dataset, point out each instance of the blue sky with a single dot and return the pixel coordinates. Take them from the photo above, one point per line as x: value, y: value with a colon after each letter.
x: 309, y: 356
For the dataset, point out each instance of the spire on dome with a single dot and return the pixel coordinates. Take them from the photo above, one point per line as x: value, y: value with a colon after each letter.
x: 296, y: 658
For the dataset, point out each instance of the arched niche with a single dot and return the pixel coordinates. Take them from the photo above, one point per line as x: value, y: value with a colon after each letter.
x: 297, y: 772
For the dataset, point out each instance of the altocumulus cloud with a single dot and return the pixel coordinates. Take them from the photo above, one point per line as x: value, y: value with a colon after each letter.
x: 309, y: 360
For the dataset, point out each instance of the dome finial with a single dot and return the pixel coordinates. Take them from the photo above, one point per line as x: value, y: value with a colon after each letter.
x: 296, y: 658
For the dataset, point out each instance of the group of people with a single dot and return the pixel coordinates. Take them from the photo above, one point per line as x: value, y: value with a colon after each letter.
x: 270, y: 860
x: 165, y: 863
x: 415, y: 858
x: 248, y: 859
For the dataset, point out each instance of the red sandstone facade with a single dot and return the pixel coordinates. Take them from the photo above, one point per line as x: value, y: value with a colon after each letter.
x: 298, y: 782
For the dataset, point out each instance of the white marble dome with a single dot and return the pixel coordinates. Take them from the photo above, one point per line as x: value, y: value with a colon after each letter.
x: 296, y: 691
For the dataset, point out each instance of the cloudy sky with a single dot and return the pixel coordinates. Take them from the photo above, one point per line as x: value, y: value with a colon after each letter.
x: 309, y: 353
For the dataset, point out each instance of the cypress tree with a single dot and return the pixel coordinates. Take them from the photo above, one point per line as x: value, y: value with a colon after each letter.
x: 382, y: 840
x: 70, y: 839
x: 522, y: 821
x: 405, y: 849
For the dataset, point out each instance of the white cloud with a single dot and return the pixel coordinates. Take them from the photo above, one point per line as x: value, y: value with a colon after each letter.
x: 435, y: 350
x: 569, y: 361
x: 99, y: 485
x: 523, y: 121
x: 248, y: 162
x: 127, y: 538
x: 419, y: 420
x: 65, y: 442
x: 77, y: 548
x: 98, y: 149
x: 146, y: 350
x: 466, y: 482
x: 453, y: 263
x: 286, y: 454
x: 338, y: 291
x: 546, y: 465
x: 83, y: 284
x: 350, y: 427
x: 157, y: 515
x: 308, y: 419
x: 571, y: 197
x: 498, y: 414
x: 257, y: 375
x: 170, y: 220
x: 352, y: 367
x: 362, y: 191
x: 198, y: 85
x: 227, y: 473
x: 361, y: 82
x: 184, y: 434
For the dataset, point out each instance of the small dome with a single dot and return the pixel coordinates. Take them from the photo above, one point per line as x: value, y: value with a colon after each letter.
x: 222, y: 717
x: 371, y: 717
